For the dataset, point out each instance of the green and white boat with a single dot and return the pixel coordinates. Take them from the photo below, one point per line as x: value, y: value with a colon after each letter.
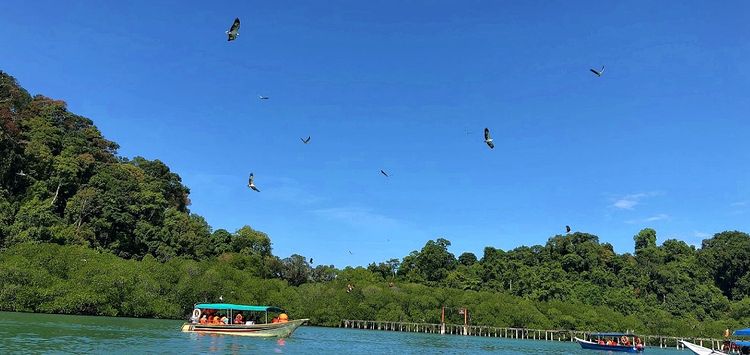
x: 263, y: 328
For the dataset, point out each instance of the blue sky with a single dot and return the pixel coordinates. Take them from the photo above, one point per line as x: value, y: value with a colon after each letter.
x: 660, y: 140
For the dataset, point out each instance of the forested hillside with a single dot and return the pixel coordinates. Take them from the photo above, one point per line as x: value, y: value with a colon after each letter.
x: 83, y: 230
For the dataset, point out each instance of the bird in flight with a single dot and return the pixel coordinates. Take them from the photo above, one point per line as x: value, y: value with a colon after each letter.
x: 384, y: 173
x: 598, y: 72
x: 488, y: 139
x: 263, y: 97
x: 350, y: 252
x: 305, y: 140
x: 311, y: 261
x: 21, y: 173
x: 234, y: 31
x: 567, y: 229
x: 221, y: 298
x: 251, y: 183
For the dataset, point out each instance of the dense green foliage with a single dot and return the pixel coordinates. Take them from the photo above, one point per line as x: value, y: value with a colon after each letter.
x: 85, y: 231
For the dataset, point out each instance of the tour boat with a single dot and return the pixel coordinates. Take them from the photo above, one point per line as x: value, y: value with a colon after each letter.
x: 741, y: 342
x: 281, y: 329
x: 634, y: 345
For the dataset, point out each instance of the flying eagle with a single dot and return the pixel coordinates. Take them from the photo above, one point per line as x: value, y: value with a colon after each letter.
x: 263, y: 97
x: 567, y: 229
x: 383, y: 172
x: 598, y: 72
x: 305, y: 140
x: 234, y: 31
x: 488, y: 139
x: 251, y: 184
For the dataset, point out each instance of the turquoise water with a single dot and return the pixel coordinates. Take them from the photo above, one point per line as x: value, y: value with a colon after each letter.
x: 43, y: 333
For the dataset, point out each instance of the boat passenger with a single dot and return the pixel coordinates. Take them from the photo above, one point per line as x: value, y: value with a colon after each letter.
x: 600, y: 342
x: 238, y: 319
x: 625, y: 341
x: 203, y: 319
x: 216, y: 320
x: 283, y: 318
x: 224, y: 320
x: 275, y: 320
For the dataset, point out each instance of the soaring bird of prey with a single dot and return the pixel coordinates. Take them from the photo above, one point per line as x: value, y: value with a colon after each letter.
x: 350, y: 252
x: 488, y: 139
x: 383, y: 172
x: 251, y: 183
x: 305, y: 140
x: 263, y: 97
x: 567, y: 229
x: 234, y: 31
x: 311, y: 261
x: 598, y: 72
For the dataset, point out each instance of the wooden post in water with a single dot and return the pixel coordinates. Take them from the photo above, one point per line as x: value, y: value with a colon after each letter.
x: 442, y: 320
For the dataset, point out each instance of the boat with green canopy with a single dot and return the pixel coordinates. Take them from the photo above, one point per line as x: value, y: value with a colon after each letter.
x: 239, y: 319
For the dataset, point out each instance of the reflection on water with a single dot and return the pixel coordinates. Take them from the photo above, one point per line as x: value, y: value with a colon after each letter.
x: 25, y: 333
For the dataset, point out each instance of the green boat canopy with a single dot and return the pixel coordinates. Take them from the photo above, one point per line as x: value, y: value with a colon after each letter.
x: 238, y: 307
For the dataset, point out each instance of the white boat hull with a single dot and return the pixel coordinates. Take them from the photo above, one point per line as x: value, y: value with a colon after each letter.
x: 279, y: 330
x: 699, y: 350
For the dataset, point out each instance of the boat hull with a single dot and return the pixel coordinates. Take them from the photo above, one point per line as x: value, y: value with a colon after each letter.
x: 278, y: 330
x: 595, y: 346
x: 697, y: 349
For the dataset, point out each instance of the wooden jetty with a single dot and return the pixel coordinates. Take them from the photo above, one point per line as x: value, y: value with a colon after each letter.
x: 517, y: 333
